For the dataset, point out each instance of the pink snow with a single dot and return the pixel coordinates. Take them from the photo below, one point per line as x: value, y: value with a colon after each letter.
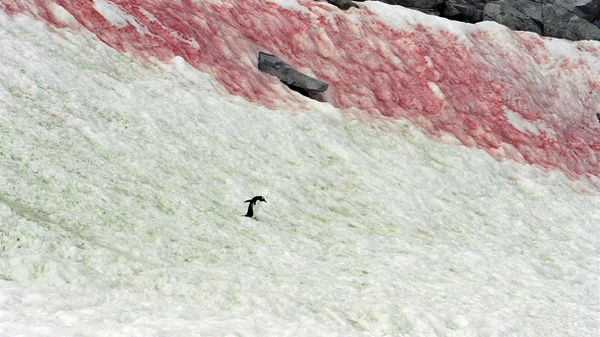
x: 516, y: 98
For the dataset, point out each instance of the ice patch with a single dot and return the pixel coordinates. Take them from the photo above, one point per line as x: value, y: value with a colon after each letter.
x: 117, y: 16
x: 428, y: 62
x: 148, y: 15
x: 520, y: 123
x: 564, y: 49
x: 192, y: 42
x: 63, y: 15
x: 436, y: 90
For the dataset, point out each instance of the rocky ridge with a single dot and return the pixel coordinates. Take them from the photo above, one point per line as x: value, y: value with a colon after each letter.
x: 568, y: 19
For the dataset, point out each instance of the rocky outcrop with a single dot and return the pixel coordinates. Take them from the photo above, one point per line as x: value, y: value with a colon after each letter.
x: 464, y: 10
x: 559, y: 21
x: 343, y: 4
x: 432, y: 7
x: 516, y: 14
x: 569, y: 19
x: 295, y: 80
x: 564, y: 19
x: 588, y: 10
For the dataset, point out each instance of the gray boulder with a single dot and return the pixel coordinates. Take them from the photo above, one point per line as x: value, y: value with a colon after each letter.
x: 515, y: 14
x: 589, y: 10
x: 557, y: 19
x: 343, y: 4
x: 294, y: 79
x: 586, y: 9
x: 562, y: 23
x: 420, y: 4
x: 431, y: 7
x: 568, y: 19
x: 464, y: 10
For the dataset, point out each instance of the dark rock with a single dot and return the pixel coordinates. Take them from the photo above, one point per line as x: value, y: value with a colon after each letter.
x: 343, y: 4
x: 431, y: 7
x: 416, y: 4
x: 429, y: 11
x: 556, y: 19
x: 562, y: 23
x: 515, y: 14
x: 590, y: 10
x: 586, y: 9
x: 294, y: 79
x: 568, y: 19
x: 464, y: 10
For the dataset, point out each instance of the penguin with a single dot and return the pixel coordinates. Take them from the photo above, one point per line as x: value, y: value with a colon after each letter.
x: 252, y: 202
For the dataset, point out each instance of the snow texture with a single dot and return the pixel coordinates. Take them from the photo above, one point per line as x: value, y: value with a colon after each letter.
x: 378, y: 59
x: 125, y: 158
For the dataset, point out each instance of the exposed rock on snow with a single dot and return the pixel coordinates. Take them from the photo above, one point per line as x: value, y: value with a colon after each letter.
x: 464, y: 10
x: 560, y: 22
x: 343, y: 4
x: 294, y: 79
x: 557, y: 20
x: 585, y: 9
x: 568, y: 19
x: 516, y: 14
x: 427, y: 6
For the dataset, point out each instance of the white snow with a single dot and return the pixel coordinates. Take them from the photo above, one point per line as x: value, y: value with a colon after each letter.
x: 63, y: 15
x: 404, y: 18
x: 121, y: 190
x: 436, y: 90
x: 149, y: 15
x: 291, y: 4
x: 519, y: 122
x: 117, y: 16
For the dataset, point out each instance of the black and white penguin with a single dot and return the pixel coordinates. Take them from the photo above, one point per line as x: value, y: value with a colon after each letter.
x: 252, y: 202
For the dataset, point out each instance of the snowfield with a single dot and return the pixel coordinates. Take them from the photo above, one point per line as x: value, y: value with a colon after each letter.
x: 123, y: 175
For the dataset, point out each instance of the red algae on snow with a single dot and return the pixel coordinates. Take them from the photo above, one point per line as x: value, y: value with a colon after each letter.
x: 512, y: 96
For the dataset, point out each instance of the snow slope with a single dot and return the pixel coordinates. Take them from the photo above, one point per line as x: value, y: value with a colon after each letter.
x: 130, y: 133
x: 444, y: 76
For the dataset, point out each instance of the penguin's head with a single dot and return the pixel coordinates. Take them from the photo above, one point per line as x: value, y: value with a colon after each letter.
x: 256, y: 198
